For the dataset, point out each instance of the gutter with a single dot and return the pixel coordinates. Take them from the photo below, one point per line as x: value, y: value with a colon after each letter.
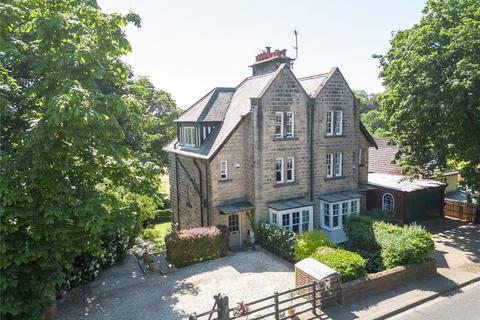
x: 310, y: 105
x: 206, y: 194
x: 178, y: 196
x: 200, y: 193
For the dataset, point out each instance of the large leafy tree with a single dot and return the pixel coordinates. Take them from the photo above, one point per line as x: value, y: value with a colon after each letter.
x: 432, y: 98
x: 70, y: 173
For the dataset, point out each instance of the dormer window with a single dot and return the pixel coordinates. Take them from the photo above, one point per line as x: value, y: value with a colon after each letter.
x: 189, y: 136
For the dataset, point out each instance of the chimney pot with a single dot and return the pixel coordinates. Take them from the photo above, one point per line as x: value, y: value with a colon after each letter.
x: 268, y: 49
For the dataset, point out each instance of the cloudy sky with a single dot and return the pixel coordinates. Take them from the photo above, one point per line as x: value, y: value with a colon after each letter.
x: 190, y: 47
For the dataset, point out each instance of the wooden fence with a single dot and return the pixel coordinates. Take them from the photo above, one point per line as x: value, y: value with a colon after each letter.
x: 279, y: 306
x: 460, y: 210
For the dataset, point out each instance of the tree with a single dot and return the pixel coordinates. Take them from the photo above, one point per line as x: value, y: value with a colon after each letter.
x: 367, y: 101
x: 69, y: 172
x: 375, y: 122
x: 432, y: 98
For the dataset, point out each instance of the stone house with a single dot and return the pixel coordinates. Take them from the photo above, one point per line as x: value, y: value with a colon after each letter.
x: 277, y: 148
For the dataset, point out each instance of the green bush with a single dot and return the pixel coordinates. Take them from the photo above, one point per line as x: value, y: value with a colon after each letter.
x: 277, y: 240
x: 157, y: 233
x: 308, y: 242
x: 380, y: 215
x: 349, y: 264
x: 386, y: 245
x: 190, y: 246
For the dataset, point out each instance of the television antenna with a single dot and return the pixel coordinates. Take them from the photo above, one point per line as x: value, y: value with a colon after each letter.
x: 295, y: 33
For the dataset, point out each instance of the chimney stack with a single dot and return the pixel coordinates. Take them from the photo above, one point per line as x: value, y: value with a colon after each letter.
x: 269, y: 61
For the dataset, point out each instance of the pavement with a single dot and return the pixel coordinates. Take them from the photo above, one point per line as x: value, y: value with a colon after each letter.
x: 457, y: 251
x: 460, y: 305
x: 125, y: 292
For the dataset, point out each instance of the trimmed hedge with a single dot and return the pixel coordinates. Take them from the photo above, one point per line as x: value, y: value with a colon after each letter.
x: 277, y: 240
x: 385, y: 245
x: 308, y: 242
x: 349, y: 264
x: 191, y: 246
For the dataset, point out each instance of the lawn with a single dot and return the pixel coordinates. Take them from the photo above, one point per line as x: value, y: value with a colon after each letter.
x: 156, y: 233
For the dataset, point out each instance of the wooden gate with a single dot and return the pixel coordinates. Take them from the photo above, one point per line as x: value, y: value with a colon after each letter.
x: 460, y: 210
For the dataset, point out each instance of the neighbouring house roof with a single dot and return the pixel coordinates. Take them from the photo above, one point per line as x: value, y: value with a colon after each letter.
x: 238, y: 107
x: 402, y: 183
x: 211, y: 107
x: 459, y: 196
x: 289, y: 204
x: 380, y: 160
x: 315, y: 268
x: 339, y: 196
x: 235, y: 207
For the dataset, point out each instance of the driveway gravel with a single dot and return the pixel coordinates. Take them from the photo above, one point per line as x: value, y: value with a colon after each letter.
x: 124, y: 292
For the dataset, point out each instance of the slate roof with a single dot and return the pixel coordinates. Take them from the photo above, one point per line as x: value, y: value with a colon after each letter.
x: 339, y: 196
x: 380, y: 160
x: 211, y: 107
x: 238, y: 107
x: 235, y: 207
x: 312, y: 84
x: 286, y: 204
x: 402, y: 183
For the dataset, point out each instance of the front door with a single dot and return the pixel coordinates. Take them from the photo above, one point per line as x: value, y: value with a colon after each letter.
x: 234, y: 227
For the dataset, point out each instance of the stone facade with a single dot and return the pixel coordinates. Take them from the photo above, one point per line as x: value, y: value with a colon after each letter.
x: 251, y: 151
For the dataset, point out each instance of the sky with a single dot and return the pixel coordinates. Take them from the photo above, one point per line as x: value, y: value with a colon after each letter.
x: 190, y: 47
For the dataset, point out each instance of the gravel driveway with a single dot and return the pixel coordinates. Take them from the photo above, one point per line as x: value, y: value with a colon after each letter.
x: 123, y: 292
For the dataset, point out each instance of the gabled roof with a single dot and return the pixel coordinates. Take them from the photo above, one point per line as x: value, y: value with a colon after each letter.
x: 211, y: 107
x: 368, y: 136
x: 239, y: 106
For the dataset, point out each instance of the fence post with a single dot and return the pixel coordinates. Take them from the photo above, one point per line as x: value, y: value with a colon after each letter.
x: 276, y: 306
x: 223, y: 308
x: 314, y: 291
x: 193, y: 316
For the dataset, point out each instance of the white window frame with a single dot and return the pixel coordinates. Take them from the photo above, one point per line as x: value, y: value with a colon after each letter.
x: 383, y: 202
x: 204, y: 129
x: 189, y: 135
x: 277, y: 124
x: 329, y: 123
x: 338, y: 123
x: 329, y: 165
x: 281, y: 170
x: 290, y: 134
x: 276, y: 217
x: 324, y: 216
x: 224, y: 170
x: 338, y: 165
x: 360, y: 160
x: 292, y: 161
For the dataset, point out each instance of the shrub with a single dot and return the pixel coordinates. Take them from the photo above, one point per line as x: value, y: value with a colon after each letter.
x: 190, y: 246
x: 277, y: 240
x: 157, y: 233
x: 380, y: 215
x: 386, y: 245
x: 349, y: 264
x: 308, y: 242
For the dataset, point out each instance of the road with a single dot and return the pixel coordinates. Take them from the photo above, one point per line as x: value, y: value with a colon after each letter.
x: 461, y: 305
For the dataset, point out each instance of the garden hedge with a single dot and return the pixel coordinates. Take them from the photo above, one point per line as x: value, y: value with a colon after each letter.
x: 189, y: 246
x: 308, y: 242
x: 349, y: 264
x: 385, y: 245
x: 277, y: 240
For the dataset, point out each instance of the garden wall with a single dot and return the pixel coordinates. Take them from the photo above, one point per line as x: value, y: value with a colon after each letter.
x: 386, y: 280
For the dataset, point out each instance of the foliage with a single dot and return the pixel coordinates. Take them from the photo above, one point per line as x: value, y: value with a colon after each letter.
x: 367, y: 101
x: 195, y: 245
x: 380, y: 215
x: 375, y: 122
x: 349, y: 264
x: 308, y: 242
x: 72, y: 171
x: 386, y: 245
x: 432, y: 79
x: 157, y: 233
x: 277, y: 240
x: 87, y: 266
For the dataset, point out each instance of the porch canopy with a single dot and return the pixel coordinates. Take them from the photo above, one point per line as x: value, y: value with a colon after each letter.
x: 235, y: 207
x: 339, y: 196
x: 287, y: 204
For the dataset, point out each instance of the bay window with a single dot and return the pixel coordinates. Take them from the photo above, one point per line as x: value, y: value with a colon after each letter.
x: 334, y: 214
x: 297, y: 220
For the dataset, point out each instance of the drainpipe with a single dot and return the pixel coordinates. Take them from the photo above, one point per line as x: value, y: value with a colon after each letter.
x: 310, y: 105
x: 178, y: 196
x: 206, y: 193
x: 200, y: 193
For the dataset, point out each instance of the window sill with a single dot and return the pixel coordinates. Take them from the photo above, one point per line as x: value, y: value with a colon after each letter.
x: 285, y: 138
x: 224, y: 180
x: 334, y: 178
x: 284, y: 184
x: 335, y: 136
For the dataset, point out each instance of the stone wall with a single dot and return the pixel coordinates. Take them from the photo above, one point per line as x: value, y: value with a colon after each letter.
x: 386, y: 280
